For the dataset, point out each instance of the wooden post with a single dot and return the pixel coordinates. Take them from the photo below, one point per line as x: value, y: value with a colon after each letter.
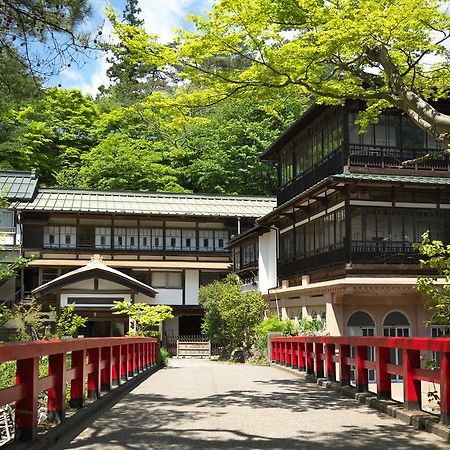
x: 411, y: 387
x: 362, y: 383
x: 57, y: 394
x: 115, y: 365
x: 383, y: 377
x: 308, y: 358
x: 301, y: 356
x: 445, y: 387
x: 330, y: 365
x: 94, y: 375
x: 27, y: 408
x: 106, y: 372
x: 77, y: 384
x: 319, y: 366
x: 344, y: 368
x: 130, y: 368
x: 124, y: 362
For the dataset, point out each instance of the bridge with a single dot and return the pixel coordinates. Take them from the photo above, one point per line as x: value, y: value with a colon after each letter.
x: 196, y: 404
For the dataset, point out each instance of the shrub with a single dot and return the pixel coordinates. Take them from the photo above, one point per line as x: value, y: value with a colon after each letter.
x: 163, y: 357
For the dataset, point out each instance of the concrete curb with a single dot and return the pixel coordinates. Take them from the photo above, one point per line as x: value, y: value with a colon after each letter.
x: 420, y: 420
x: 82, y: 418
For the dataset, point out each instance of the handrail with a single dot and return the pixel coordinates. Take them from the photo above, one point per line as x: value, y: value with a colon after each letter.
x: 322, y: 355
x: 104, y: 361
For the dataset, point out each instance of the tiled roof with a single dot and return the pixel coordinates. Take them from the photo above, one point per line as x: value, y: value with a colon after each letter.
x: 18, y: 185
x: 148, y: 203
x: 392, y: 178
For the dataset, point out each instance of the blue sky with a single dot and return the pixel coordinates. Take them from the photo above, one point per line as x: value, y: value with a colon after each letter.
x: 161, y: 17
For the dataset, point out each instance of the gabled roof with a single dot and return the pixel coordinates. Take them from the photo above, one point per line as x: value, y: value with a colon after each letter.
x: 95, y: 268
x: 161, y: 204
x: 18, y: 186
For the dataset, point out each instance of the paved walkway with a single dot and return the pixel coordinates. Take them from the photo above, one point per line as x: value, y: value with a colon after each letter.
x: 205, y: 405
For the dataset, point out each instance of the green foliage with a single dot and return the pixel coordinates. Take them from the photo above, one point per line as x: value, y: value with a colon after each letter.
x: 163, y: 357
x: 68, y: 322
x: 437, y: 296
x: 144, y: 318
x: 230, y: 315
x: 273, y: 324
x: 28, y: 322
x: 387, y: 53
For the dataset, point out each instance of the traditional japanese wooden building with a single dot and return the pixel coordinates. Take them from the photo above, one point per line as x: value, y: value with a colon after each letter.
x: 149, y: 247
x: 348, y: 211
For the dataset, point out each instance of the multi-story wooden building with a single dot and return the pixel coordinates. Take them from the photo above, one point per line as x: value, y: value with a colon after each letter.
x: 153, y: 248
x: 347, y: 213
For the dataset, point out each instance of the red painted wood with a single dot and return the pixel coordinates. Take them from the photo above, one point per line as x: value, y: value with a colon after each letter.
x: 383, y: 376
x: 361, y: 377
x: 319, y: 359
x: 309, y: 362
x: 27, y: 408
x: 77, y: 383
x: 330, y: 366
x: 344, y: 366
x: 445, y: 387
x: 106, y: 371
x: 115, y: 368
x: 93, y: 373
x: 57, y: 391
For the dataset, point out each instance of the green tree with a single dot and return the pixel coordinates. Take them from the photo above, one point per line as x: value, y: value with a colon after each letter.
x: 131, y: 79
x: 437, y: 295
x: 387, y: 53
x: 144, y: 318
x: 122, y: 162
x: 43, y: 36
x: 224, y: 150
x: 51, y: 133
x: 230, y: 314
x: 68, y: 322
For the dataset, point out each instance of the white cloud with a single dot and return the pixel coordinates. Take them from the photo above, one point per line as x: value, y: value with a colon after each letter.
x: 162, y: 18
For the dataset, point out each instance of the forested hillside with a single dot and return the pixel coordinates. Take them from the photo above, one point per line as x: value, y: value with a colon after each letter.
x: 143, y: 131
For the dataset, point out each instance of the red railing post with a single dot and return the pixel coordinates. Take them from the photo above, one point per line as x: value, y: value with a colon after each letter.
x: 116, y: 365
x: 330, y: 365
x: 77, y: 383
x: 411, y: 387
x: 273, y: 351
x: 344, y: 368
x: 318, y: 351
x: 301, y: 356
x: 294, y: 360
x: 309, y: 362
x: 123, y: 362
x: 94, y: 374
x: 106, y: 372
x: 383, y: 377
x: 145, y: 355
x: 361, y: 373
x: 445, y: 387
x: 27, y: 408
x: 288, y: 354
x: 56, y: 395
x: 130, y: 368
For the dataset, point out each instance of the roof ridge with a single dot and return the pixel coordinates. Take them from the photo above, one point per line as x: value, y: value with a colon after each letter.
x: 155, y: 194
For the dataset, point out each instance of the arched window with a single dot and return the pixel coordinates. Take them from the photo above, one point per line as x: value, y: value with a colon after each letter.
x: 396, y: 319
x: 360, y: 319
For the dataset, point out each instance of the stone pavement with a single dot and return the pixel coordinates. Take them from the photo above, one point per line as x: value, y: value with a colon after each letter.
x: 195, y: 404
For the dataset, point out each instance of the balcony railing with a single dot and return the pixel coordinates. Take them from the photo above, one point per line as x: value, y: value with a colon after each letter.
x: 392, y: 157
x: 383, y: 252
x: 334, y: 255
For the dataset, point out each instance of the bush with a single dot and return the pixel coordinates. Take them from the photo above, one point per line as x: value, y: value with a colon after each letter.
x: 164, y: 356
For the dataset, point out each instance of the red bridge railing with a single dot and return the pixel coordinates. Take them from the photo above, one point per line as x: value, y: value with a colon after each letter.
x: 105, y: 362
x: 324, y: 356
